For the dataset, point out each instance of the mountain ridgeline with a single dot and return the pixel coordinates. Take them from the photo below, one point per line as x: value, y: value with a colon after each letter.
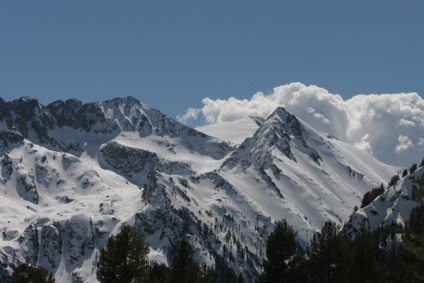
x: 72, y: 174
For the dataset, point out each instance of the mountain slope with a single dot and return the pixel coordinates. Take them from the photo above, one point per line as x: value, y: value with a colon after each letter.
x: 73, y: 173
x: 233, y: 131
x: 394, y: 205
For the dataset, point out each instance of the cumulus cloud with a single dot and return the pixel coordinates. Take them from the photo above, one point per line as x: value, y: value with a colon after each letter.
x: 405, y: 143
x: 190, y: 114
x: 364, y: 144
x: 403, y: 122
x: 389, y: 126
x: 317, y: 115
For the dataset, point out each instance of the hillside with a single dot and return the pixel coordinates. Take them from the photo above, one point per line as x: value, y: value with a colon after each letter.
x: 74, y: 173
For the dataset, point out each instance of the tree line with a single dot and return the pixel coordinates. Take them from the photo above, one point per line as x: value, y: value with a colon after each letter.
x: 392, y: 253
x: 333, y: 256
x: 125, y: 260
x: 389, y: 254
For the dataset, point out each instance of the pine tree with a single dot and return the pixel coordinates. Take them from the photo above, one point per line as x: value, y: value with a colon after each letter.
x: 159, y: 273
x: 413, y: 168
x: 184, y: 268
x: 363, y: 265
x: 281, y: 246
x: 25, y: 273
x: 411, y: 250
x: 393, y: 181
x: 404, y: 173
x: 206, y: 274
x: 326, y: 255
x: 125, y: 258
x: 371, y: 195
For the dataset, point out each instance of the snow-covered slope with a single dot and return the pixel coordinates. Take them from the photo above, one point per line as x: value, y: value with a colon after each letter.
x: 73, y: 173
x: 394, y: 205
x: 233, y: 131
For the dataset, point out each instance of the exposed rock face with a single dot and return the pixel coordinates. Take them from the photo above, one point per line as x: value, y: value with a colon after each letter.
x: 74, y: 173
x: 128, y: 160
x: 281, y: 131
x: 25, y: 186
x: 9, y: 140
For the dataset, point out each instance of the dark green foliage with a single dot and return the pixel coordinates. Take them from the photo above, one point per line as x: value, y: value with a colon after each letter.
x: 363, y: 257
x: 422, y: 163
x: 412, y: 245
x: 371, y: 195
x: 226, y: 274
x: 404, y: 173
x: 186, y: 270
x: 281, y: 246
x: 418, y: 191
x: 124, y: 259
x: 230, y: 277
x: 158, y: 273
x: 393, y: 181
x: 326, y: 254
x: 206, y: 274
x: 362, y: 264
x: 413, y: 168
x: 184, y: 267
x: 407, y: 264
x: 25, y: 273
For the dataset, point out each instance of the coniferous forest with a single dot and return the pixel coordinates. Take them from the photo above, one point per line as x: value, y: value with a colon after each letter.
x: 391, y: 253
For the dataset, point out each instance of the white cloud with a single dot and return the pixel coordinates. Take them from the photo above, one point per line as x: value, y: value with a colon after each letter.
x: 364, y: 144
x: 403, y: 122
x: 372, y: 122
x: 190, y: 114
x: 317, y: 115
x: 405, y: 143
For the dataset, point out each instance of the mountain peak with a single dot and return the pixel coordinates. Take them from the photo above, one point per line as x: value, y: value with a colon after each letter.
x: 128, y: 100
x: 282, y: 132
x: 286, y: 121
x: 74, y: 173
x: 27, y: 99
x: 280, y: 111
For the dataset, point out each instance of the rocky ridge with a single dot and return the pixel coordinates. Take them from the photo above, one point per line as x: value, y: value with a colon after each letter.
x: 74, y: 173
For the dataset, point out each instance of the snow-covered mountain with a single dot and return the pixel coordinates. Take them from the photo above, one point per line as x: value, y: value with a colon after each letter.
x: 393, y: 205
x: 74, y: 173
x: 233, y: 131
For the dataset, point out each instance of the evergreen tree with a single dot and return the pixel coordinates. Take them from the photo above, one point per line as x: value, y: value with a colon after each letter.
x: 125, y: 258
x: 411, y: 251
x: 281, y: 246
x: 159, y: 273
x: 25, y: 273
x: 184, y: 268
x: 326, y: 255
x: 300, y: 268
x: 404, y: 173
x: 225, y: 273
x: 393, y: 181
x: 240, y: 279
x: 413, y: 168
x: 363, y: 265
x: 206, y: 274
x: 371, y: 195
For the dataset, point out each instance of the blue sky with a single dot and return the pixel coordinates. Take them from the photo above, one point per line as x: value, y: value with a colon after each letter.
x: 172, y: 54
